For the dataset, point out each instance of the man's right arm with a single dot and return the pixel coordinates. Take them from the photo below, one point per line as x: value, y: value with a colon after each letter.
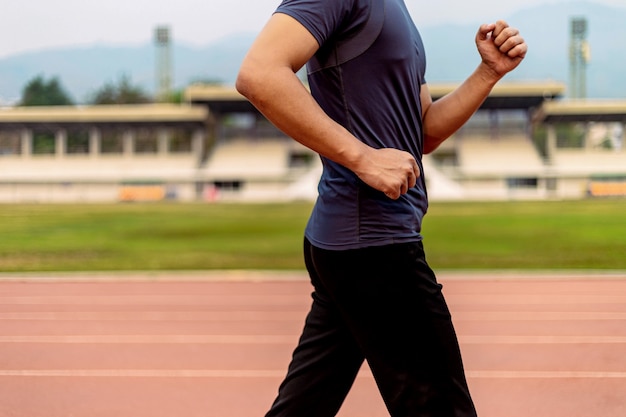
x: 268, y: 79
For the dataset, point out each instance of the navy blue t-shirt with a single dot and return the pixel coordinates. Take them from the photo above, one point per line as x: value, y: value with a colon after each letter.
x: 376, y: 97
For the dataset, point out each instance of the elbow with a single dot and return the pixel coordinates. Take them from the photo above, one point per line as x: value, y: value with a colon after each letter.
x: 248, y: 78
x: 429, y: 149
x: 244, y: 82
x: 252, y: 83
x: 430, y: 144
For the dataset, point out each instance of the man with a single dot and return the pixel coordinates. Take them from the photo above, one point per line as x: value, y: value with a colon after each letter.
x: 370, y: 116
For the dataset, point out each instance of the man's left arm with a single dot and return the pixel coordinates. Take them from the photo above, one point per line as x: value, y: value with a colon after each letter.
x: 501, y: 49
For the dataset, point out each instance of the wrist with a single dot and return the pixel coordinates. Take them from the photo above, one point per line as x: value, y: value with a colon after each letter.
x: 355, y: 156
x: 488, y: 75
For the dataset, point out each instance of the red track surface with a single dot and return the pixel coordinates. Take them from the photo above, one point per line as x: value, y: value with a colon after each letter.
x: 218, y: 346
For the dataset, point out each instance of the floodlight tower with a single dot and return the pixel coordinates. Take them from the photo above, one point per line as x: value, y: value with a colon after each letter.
x: 163, y: 63
x: 579, y: 54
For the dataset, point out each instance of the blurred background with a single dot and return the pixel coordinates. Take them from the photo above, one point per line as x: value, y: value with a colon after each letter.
x: 151, y: 219
x: 145, y: 109
x: 130, y: 102
x: 134, y: 102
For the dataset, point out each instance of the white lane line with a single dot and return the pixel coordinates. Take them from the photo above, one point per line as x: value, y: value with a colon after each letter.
x: 536, y: 316
x: 518, y: 299
x: 540, y: 340
x: 546, y: 375
x: 153, y: 339
x: 160, y: 299
x: 290, y: 339
x: 144, y: 373
x: 526, y: 299
x: 229, y: 316
x: 247, y: 373
x: 140, y: 316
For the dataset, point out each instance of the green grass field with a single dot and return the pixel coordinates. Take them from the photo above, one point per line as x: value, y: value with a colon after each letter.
x: 588, y: 234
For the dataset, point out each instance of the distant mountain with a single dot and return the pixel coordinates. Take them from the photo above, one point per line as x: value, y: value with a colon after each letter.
x: 450, y: 50
x: 84, y: 70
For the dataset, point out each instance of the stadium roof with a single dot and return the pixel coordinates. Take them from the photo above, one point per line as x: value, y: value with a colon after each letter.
x: 505, y: 95
x: 582, y: 111
x: 115, y: 114
x: 219, y: 99
x: 510, y: 95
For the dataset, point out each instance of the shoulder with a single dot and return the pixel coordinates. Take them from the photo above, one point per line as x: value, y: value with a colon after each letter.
x: 327, y: 19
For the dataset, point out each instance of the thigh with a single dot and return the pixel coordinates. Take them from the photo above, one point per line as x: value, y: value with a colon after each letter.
x: 394, y: 306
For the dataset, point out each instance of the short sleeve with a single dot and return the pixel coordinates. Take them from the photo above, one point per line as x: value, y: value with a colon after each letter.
x: 325, y: 19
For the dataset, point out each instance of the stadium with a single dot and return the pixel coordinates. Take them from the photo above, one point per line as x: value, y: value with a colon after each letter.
x: 526, y: 142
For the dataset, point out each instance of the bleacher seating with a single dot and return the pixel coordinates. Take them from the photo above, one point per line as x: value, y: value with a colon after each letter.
x: 113, y: 168
x: 510, y: 155
x: 248, y: 159
x: 584, y: 162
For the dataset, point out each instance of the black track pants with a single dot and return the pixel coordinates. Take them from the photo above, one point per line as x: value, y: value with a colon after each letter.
x: 382, y: 304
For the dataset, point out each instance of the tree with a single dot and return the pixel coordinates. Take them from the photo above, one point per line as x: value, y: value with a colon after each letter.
x: 121, y: 93
x: 39, y: 92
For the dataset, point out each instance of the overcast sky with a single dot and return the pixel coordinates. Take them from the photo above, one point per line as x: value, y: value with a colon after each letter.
x: 27, y: 25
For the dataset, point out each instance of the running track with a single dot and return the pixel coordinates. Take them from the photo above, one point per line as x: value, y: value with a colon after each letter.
x: 217, y: 345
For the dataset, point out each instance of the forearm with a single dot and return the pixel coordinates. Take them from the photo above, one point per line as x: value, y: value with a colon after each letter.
x: 283, y: 100
x: 448, y: 114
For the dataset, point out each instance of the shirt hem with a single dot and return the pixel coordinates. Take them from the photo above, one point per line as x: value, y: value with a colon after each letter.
x: 363, y: 244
